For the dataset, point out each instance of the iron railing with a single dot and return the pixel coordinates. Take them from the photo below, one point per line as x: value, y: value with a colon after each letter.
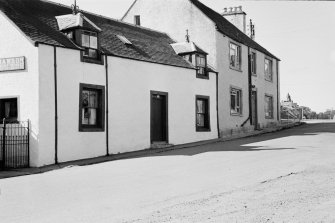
x: 14, y: 144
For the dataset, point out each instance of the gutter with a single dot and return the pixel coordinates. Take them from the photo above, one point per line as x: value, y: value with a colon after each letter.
x: 249, y: 90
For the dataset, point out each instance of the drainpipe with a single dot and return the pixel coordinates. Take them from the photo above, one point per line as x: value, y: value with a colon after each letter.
x: 56, y: 105
x: 249, y: 90
x: 278, y: 96
x: 217, y: 104
x: 107, y: 129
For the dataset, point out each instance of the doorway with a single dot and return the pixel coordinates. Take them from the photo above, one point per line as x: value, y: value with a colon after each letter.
x: 159, y: 117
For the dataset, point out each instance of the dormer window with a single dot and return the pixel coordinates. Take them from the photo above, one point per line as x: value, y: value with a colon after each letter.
x: 201, y: 65
x: 90, y: 43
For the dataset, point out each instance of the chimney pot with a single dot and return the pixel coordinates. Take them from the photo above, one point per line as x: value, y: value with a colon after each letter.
x: 236, y: 9
x: 230, y: 9
x: 240, y: 8
x: 225, y: 10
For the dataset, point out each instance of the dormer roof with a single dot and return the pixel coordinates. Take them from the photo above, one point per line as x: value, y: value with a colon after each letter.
x: 78, y: 20
x: 187, y: 48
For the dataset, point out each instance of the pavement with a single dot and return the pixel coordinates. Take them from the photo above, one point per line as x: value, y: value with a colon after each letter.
x: 282, y: 176
x: 137, y: 154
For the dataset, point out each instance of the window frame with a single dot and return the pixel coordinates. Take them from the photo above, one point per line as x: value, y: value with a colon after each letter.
x: 11, y: 119
x: 266, y: 75
x: 207, y: 124
x: 271, y: 116
x: 253, y: 63
x: 240, y: 101
x: 239, y: 47
x: 137, y: 20
x: 100, y: 126
x: 203, y: 76
x: 87, y: 59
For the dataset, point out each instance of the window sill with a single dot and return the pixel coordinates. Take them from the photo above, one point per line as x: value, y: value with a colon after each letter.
x: 236, y: 69
x: 85, y: 129
x: 269, y: 118
x: 203, y: 129
x: 206, y: 77
x: 268, y: 80
x: 236, y: 114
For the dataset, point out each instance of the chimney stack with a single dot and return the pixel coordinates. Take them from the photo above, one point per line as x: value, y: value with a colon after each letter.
x: 236, y: 16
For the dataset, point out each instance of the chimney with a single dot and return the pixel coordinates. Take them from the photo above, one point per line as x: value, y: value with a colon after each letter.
x: 236, y: 16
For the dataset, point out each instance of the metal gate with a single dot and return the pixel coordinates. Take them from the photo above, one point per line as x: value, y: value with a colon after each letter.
x: 14, y: 145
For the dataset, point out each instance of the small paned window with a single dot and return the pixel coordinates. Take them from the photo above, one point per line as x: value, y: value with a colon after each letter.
x: 235, y: 101
x: 201, y: 65
x: 92, y: 106
x: 202, y: 113
x: 268, y: 69
x: 235, y: 56
x: 137, y: 20
x: 89, y: 40
x: 268, y: 107
x: 8, y: 110
x: 253, y: 63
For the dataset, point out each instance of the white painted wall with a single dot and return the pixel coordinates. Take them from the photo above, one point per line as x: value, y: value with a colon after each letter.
x: 21, y: 84
x: 175, y: 17
x: 130, y: 83
x: 265, y: 87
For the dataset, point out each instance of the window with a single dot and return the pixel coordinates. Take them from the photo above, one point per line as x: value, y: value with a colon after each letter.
x: 268, y: 69
x: 235, y: 56
x: 268, y: 107
x: 202, y: 113
x: 92, y: 107
x: 8, y: 109
x: 253, y: 63
x: 89, y: 40
x: 201, y: 65
x: 137, y: 20
x: 235, y: 101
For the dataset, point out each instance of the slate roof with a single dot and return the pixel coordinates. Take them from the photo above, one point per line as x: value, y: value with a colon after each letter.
x: 228, y: 29
x: 36, y: 18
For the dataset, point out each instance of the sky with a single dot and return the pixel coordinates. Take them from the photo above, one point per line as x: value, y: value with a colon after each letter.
x: 300, y: 33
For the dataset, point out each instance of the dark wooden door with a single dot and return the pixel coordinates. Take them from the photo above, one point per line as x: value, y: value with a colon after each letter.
x: 158, y: 117
x: 254, y: 108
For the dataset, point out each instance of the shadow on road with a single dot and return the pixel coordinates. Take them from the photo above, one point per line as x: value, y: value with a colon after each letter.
x: 239, y: 145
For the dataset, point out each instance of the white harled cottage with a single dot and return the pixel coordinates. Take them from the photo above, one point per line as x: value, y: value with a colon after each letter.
x: 248, y: 82
x: 93, y: 86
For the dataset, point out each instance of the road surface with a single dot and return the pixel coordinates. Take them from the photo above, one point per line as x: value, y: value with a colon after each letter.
x: 286, y: 176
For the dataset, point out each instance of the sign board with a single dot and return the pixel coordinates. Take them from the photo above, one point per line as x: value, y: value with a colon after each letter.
x: 11, y: 64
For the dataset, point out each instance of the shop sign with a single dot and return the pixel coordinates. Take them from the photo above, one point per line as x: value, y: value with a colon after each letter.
x: 11, y: 64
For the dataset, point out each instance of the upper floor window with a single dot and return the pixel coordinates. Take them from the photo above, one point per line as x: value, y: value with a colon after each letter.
x: 8, y: 110
x: 137, y: 20
x: 235, y: 56
x: 268, y: 69
x: 89, y: 40
x: 201, y: 65
x: 235, y: 101
x: 253, y: 63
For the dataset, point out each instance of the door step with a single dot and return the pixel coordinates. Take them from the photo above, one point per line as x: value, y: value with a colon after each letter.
x: 160, y: 145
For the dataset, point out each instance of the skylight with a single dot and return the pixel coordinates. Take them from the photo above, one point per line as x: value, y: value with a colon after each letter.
x: 124, y: 40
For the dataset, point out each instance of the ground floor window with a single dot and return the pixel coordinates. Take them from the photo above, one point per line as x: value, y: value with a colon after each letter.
x: 202, y: 113
x: 8, y: 110
x: 92, y: 108
x: 268, y: 106
x: 235, y: 101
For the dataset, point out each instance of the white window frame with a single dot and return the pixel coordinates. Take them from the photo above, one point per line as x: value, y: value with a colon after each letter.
x: 238, y: 56
x: 268, y: 73
x: 268, y: 108
x: 237, y: 94
x: 253, y: 62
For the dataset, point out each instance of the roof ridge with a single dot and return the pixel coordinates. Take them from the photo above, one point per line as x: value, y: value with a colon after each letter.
x: 107, y: 17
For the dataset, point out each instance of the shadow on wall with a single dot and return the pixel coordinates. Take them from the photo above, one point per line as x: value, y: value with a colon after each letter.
x: 289, y: 139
